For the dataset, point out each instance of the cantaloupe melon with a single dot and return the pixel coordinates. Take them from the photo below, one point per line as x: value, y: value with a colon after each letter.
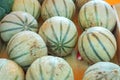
x: 50, y: 68
x: 60, y: 35
x: 25, y: 47
x: 97, y: 13
x: 97, y: 44
x: 52, y: 8
x: 16, y: 22
x: 9, y: 70
x: 102, y: 71
x: 30, y: 6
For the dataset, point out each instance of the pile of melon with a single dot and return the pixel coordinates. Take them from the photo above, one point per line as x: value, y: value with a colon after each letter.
x: 39, y: 36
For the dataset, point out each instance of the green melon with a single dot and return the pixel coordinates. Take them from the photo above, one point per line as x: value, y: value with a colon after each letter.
x: 102, y: 71
x: 30, y: 6
x: 25, y: 47
x: 52, y: 8
x: 97, y: 13
x: 16, y: 22
x: 97, y: 44
x: 50, y: 68
x: 5, y: 7
x: 60, y: 35
x: 9, y: 70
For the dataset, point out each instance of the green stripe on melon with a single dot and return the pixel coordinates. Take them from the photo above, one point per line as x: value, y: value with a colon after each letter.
x: 26, y: 46
x: 60, y: 35
x: 97, y: 44
x: 97, y: 13
x: 16, y: 22
x: 49, y: 68
x: 52, y: 8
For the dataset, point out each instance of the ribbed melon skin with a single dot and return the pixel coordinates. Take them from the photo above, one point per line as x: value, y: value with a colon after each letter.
x: 25, y: 47
x: 50, y: 8
x: 102, y: 71
x: 97, y: 44
x: 9, y: 70
x: 30, y: 6
x: 97, y: 13
x: 60, y: 35
x: 16, y: 22
x: 50, y: 68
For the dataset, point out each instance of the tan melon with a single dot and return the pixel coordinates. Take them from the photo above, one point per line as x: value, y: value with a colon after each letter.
x: 97, y: 13
x: 102, y: 71
x: 49, y: 68
x: 9, y: 70
x: 16, y: 22
x: 97, y: 44
x: 60, y: 35
x: 25, y: 47
x: 30, y: 6
x: 50, y: 8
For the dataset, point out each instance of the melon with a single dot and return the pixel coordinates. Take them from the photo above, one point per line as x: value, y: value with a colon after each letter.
x: 49, y: 68
x: 25, y: 47
x: 5, y: 7
x: 9, y: 70
x: 97, y: 13
x: 16, y: 22
x: 50, y: 8
x: 97, y: 44
x: 30, y: 6
x: 60, y: 35
x: 102, y: 71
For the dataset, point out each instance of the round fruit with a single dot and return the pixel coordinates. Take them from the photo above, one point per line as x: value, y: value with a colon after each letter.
x: 30, y: 6
x: 97, y: 13
x: 50, y: 68
x: 60, y: 35
x: 102, y: 71
x: 25, y: 47
x: 97, y: 44
x: 16, y: 22
x: 9, y: 70
x: 52, y: 8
